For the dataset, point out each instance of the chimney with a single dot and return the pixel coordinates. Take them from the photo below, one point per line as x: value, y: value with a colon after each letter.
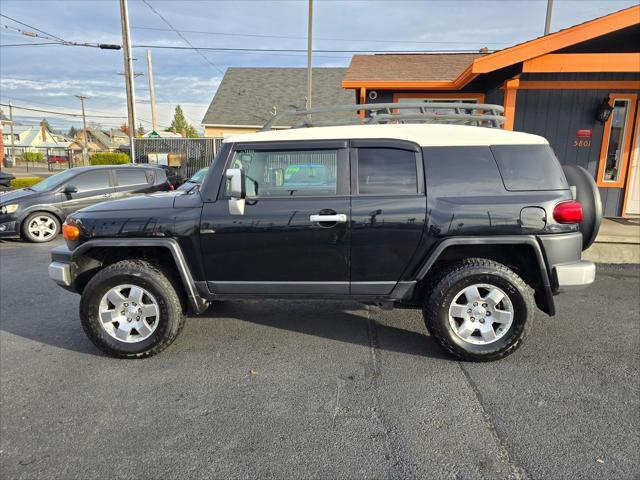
x: 43, y: 131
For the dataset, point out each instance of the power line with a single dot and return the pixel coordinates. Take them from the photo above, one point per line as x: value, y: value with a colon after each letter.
x: 32, y: 27
x: 38, y: 102
x: 226, y: 49
x: 29, y: 44
x: 183, y: 37
x: 61, y: 113
x: 318, y: 38
x: 59, y: 41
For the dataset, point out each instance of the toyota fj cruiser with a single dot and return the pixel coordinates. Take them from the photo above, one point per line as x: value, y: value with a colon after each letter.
x: 476, y: 226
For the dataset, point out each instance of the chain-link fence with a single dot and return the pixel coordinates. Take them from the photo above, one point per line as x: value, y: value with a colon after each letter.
x: 183, y: 155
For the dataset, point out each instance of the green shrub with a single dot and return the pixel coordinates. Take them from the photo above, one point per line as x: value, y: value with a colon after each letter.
x: 25, y: 182
x: 109, y: 158
x: 33, y: 157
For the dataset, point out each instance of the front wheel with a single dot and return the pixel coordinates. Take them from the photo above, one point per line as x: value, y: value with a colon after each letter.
x: 40, y: 227
x: 479, y: 310
x: 131, y: 310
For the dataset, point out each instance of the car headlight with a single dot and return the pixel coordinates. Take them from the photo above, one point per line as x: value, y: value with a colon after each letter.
x: 9, y: 208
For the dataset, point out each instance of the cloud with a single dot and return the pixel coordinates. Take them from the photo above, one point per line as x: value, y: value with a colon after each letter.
x: 41, y: 75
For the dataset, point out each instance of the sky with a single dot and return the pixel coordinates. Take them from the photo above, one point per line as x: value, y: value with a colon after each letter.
x: 49, y: 77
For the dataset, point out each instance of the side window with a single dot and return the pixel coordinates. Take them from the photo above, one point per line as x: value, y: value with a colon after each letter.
x: 130, y: 177
x: 387, y: 171
x: 288, y: 173
x: 96, y: 180
x: 448, y: 172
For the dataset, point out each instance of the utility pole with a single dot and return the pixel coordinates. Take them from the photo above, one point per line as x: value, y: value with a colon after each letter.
x: 547, y: 22
x: 85, y: 149
x: 152, y: 94
x: 128, y: 72
x: 13, y: 149
x: 309, y: 47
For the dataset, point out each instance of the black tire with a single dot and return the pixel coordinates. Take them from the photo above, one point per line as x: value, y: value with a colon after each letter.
x: 27, y: 235
x: 140, y: 273
x: 588, y: 194
x: 456, y: 277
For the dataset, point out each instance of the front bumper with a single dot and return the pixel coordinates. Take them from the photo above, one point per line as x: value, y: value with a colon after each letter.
x: 60, y: 273
x: 9, y: 225
x: 62, y: 268
x: 9, y: 229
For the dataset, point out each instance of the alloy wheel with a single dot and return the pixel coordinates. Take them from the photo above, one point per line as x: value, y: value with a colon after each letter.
x: 129, y: 313
x: 42, y: 227
x: 481, y: 314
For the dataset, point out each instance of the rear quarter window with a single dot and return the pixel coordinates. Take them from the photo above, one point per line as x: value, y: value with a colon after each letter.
x: 461, y: 172
x: 529, y: 167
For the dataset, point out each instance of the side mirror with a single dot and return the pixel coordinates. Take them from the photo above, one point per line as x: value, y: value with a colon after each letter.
x: 69, y: 189
x: 236, y: 179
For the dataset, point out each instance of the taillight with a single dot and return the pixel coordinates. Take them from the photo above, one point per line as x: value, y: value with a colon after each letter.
x: 568, y: 212
x: 171, y: 187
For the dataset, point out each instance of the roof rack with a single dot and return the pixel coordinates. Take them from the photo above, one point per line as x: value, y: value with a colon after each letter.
x: 477, y: 114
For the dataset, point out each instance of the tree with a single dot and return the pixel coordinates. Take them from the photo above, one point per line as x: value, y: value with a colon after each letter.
x: 141, y: 130
x: 125, y: 128
x: 48, y: 126
x: 73, y: 131
x: 179, y: 124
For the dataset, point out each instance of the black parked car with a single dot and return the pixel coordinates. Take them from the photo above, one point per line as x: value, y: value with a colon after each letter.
x: 5, y: 179
x: 36, y: 212
x: 474, y: 226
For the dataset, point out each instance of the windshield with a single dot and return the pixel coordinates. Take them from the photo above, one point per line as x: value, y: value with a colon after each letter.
x: 54, y: 180
x: 194, y: 181
x: 198, y: 176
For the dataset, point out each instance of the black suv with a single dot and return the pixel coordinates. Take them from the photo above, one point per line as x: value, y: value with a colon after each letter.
x: 36, y: 213
x: 475, y: 226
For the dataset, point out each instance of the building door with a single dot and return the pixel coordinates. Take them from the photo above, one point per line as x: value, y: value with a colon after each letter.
x: 632, y: 195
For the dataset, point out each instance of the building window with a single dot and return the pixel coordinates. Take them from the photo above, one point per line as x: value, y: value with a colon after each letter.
x: 615, y: 141
x: 613, y: 159
x: 436, y: 100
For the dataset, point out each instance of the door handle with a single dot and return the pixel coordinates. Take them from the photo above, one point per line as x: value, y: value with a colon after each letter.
x: 336, y: 218
x: 106, y: 195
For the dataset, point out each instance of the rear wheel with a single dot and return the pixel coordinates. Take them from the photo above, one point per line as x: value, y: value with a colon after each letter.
x: 40, y: 227
x: 131, y: 310
x: 479, y: 310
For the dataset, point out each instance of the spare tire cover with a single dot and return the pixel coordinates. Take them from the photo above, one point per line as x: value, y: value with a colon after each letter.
x: 588, y: 195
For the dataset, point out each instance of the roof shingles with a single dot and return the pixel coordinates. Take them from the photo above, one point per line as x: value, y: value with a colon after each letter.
x: 247, y: 96
x: 409, y: 67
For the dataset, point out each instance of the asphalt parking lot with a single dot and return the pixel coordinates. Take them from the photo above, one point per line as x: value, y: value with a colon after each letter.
x: 316, y: 390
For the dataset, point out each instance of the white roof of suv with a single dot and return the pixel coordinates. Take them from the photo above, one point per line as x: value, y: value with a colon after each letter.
x: 426, y: 135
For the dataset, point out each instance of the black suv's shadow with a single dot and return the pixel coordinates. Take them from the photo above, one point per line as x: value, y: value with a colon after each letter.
x: 343, y: 322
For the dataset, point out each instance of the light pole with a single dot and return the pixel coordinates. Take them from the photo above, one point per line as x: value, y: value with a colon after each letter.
x: 152, y: 94
x: 547, y: 22
x: 128, y: 75
x: 13, y: 150
x: 309, y: 49
x: 85, y: 149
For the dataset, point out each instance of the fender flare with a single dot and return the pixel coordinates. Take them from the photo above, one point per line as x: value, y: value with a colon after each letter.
x: 198, y: 303
x: 40, y: 208
x: 545, y: 303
